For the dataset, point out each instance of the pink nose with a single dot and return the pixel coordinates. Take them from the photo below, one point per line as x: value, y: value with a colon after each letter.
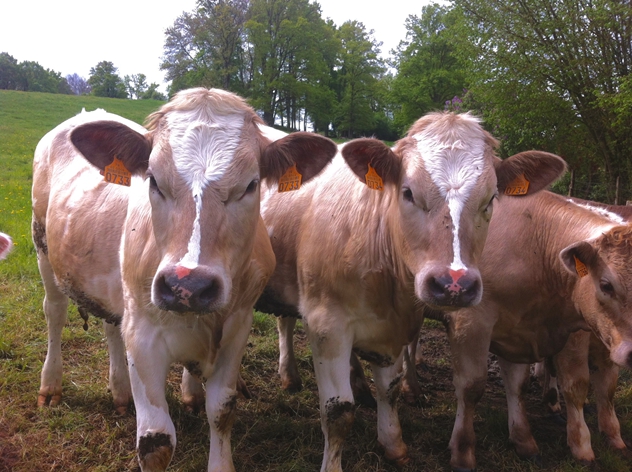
x: 456, y: 288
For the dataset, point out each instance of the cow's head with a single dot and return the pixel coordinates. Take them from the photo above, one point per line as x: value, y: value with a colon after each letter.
x: 444, y: 177
x: 5, y: 245
x: 203, y: 160
x: 603, y: 291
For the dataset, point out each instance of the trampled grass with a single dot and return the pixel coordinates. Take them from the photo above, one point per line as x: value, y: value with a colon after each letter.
x: 274, y: 431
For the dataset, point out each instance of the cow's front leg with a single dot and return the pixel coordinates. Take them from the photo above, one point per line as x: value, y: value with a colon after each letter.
x: 155, y: 433
x: 604, y: 378
x: 193, y: 395
x: 389, y: 431
x: 331, y: 351
x: 119, y: 375
x: 571, y: 365
x: 516, y: 380
x: 469, y: 344
x: 288, y: 370
x: 55, y: 309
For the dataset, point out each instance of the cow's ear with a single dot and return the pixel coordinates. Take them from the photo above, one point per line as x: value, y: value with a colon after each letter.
x: 101, y: 141
x: 581, y: 259
x: 360, y: 153
x: 310, y: 153
x: 528, y: 172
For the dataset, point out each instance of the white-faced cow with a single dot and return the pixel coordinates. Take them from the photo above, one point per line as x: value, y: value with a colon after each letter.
x: 360, y: 257
x: 6, y: 244
x: 186, y: 239
x: 550, y: 267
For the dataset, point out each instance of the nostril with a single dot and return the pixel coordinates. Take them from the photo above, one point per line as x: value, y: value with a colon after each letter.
x: 437, y: 287
x: 209, y: 294
x: 164, y: 291
x: 469, y: 285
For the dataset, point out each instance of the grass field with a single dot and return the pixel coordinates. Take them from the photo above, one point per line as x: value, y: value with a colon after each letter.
x: 274, y: 431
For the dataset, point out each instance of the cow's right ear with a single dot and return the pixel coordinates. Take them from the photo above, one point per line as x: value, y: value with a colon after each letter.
x: 362, y: 152
x: 101, y: 141
x: 528, y: 172
x: 581, y: 258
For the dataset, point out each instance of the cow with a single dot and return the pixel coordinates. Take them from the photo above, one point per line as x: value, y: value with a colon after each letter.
x: 367, y: 244
x: 182, y: 253
x: 550, y: 267
x: 6, y: 244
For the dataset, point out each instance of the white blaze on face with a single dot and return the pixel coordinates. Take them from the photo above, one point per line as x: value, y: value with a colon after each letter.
x: 454, y: 168
x: 202, y: 153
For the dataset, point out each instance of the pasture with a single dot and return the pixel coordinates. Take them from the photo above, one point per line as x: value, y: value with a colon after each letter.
x: 274, y: 431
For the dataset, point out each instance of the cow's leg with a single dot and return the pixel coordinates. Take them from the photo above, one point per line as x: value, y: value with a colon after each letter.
x: 410, y: 388
x: 389, y: 431
x: 545, y: 373
x: 148, y: 363
x: 119, y: 375
x: 331, y: 350
x: 361, y: 391
x: 469, y: 344
x: 221, y: 390
x: 288, y: 369
x: 55, y: 309
x: 604, y: 378
x: 516, y: 380
x: 571, y: 365
x: 193, y: 394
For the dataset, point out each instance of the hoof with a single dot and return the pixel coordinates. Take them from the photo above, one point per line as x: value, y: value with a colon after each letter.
x: 292, y: 386
x: 401, y: 462
x: 48, y: 400
x: 121, y: 410
x: 154, y: 452
x: 242, y: 388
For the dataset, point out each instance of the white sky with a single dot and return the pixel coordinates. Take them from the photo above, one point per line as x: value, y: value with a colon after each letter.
x: 71, y: 36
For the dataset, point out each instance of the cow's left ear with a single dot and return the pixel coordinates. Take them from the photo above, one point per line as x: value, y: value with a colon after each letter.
x: 310, y: 153
x: 528, y: 172
x: 101, y: 141
x: 581, y: 259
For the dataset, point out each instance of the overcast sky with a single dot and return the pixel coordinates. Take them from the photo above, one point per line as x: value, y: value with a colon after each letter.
x: 71, y: 36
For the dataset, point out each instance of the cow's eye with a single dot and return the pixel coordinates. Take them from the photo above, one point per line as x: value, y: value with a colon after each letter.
x: 606, y: 287
x: 153, y: 185
x: 252, y: 186
x: 407, y: 194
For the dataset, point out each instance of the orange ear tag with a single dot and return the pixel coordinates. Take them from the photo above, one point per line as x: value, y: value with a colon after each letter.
x: 117, y: 173
x: 580, y: 267
x: 373, y: 180
x: 291, y: 180
x: 519, y: 186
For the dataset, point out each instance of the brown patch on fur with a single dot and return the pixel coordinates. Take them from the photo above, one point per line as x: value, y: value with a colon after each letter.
x: 155, y: 451
x: 224, y: 421
x: 375, y: 358
x: 39, y: 236
x: 86, y: 304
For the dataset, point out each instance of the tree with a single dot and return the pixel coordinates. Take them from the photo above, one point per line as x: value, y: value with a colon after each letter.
x: 357, y: 80
x: 428, y: 71
x: 105, y: 82
x: 136, y: 85
x: 9, y: 72
x: 152, y: 93
x: 576, y: 53
x: 78, y: 85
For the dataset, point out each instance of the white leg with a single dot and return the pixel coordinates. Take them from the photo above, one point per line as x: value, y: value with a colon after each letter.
x: 288, y: 370
x: 389, y: 431
x: 55, y: 309
x: 119, y: 375
x: 193, y: 394
x: 516, y: 380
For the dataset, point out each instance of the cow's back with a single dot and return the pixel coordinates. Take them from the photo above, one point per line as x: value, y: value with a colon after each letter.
x: 78, y: 219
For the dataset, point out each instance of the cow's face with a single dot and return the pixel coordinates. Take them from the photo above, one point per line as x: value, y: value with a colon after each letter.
x: 445, y: 177
x: 602, y: 293
x: 203, y: 161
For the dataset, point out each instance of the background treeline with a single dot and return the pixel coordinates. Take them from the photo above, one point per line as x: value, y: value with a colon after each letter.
x: 546, y: 74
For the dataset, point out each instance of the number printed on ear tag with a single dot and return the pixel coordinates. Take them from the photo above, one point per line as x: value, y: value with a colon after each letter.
x: 291, y: 180
x: 373, y: 180
x: 580, y: 267
x: 519, y: 186
x: 117, y: 173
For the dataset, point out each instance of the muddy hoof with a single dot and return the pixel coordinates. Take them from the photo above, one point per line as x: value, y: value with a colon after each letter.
x: 154, y: 452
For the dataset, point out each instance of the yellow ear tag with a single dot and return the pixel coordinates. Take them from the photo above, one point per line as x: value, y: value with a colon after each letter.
x: 580, y: 267
x: 291, y: 180
x: 519, y: 186
x: 373, y: 180
x: 117, y: 173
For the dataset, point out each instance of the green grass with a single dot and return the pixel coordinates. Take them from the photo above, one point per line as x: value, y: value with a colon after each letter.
x: 274, y: 431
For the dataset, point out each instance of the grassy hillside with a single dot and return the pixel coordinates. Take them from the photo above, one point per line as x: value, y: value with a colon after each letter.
x: 274, y: 431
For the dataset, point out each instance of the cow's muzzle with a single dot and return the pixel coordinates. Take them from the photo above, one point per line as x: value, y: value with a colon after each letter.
x: 180, y: 289
x: 451, y: 289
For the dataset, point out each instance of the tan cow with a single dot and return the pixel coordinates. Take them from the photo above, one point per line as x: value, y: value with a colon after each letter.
x: 185, y: 239
x: 550, y: 267
x: 362, y: 248
x: 6, y: 244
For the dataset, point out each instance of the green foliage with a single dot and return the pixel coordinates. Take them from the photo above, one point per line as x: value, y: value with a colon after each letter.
x: 30, y: 76
x: 429, y: 72
x: 105, y: 82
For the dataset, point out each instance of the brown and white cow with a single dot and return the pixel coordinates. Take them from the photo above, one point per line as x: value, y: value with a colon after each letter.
x: 550, y: 267
x: 364, y: 246
x: 186, y: 240
x: 6, y: 244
